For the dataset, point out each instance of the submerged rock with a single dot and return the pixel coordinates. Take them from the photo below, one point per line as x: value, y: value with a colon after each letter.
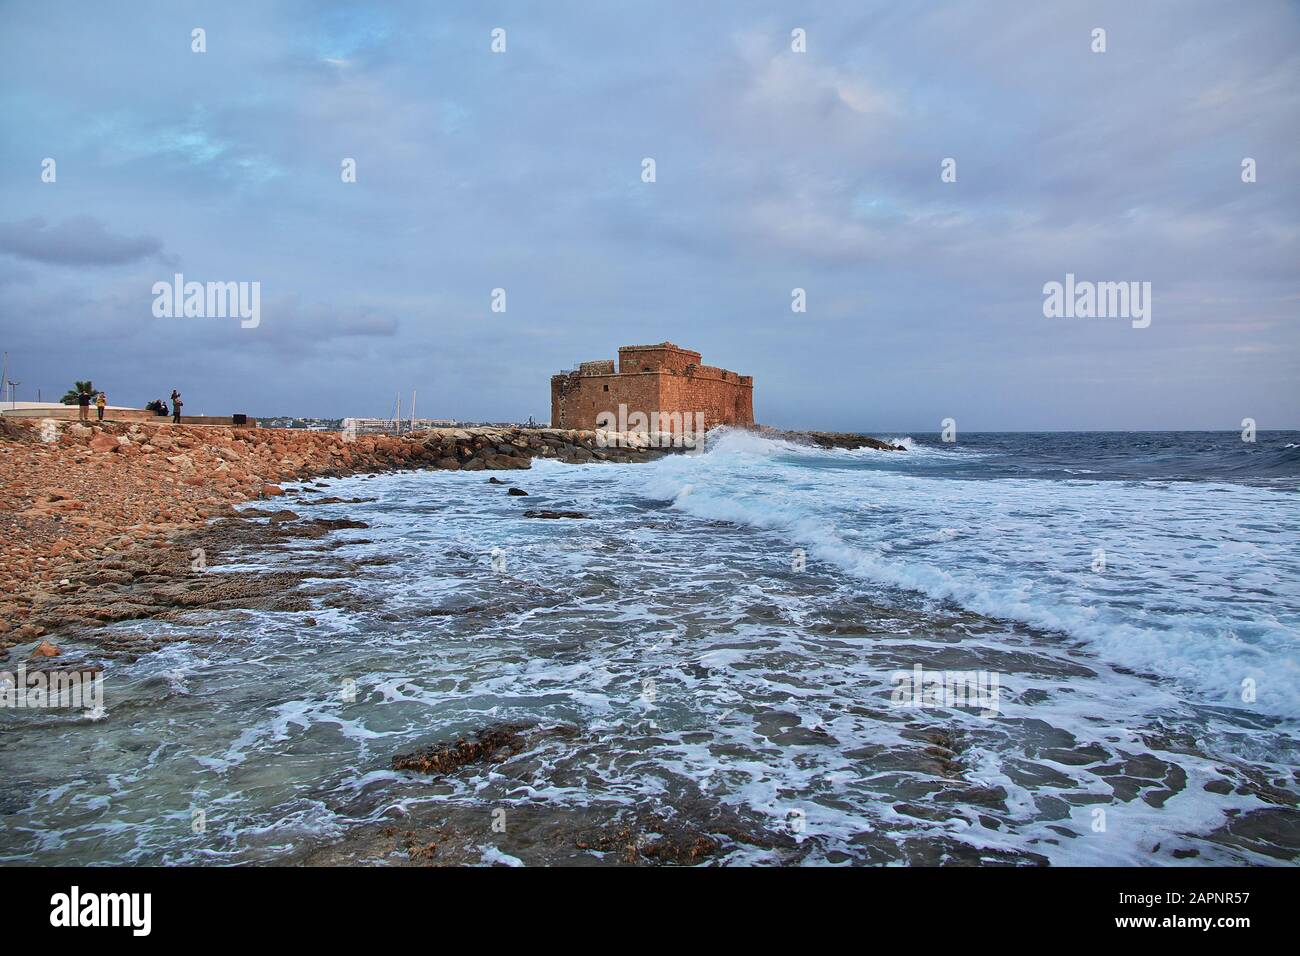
x: 492, y: 744
x: 829, y: 439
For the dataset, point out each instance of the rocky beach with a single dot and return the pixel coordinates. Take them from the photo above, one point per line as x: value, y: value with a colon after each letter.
x: 361, y: 649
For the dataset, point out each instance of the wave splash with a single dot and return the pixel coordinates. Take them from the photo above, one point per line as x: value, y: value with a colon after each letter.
x: 1196, y: 582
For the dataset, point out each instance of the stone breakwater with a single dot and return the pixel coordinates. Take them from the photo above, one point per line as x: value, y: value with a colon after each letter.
x: 88, y: 512
x: 476, y: 449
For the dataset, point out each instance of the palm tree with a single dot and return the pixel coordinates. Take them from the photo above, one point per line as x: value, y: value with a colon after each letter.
x: 70, y: 396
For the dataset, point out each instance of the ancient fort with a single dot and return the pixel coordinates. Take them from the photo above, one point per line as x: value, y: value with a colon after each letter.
x: 650, y: 379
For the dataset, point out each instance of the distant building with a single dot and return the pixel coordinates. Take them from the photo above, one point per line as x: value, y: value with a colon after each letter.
x: 651, y: 379
x: 392, y: 426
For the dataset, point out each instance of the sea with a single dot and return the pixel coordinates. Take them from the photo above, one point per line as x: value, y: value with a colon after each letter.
x: 1014, y: 648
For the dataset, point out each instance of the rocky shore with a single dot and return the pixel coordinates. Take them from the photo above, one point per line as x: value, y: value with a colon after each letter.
x: 101, y: 522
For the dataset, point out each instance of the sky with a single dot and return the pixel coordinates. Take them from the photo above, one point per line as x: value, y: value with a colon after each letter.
x: 775, y: 170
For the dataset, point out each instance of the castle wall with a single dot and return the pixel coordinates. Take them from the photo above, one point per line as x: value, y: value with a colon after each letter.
x: 576, y: 400
x: 723, y: 402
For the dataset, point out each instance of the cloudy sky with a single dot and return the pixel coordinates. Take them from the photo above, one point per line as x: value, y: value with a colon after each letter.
x: 775, y: 170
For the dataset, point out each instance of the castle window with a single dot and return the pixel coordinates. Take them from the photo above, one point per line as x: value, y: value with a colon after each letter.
x: 607, y: 388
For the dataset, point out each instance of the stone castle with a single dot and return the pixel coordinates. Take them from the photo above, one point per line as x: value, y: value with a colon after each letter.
x: 652, y: 379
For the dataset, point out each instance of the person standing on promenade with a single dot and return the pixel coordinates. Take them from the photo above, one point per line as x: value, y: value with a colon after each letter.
x: 83, y: 406
x: 176, y: 407
x: 100, y: 401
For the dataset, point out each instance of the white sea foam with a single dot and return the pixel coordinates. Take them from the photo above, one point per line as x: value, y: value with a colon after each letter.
x: 1202, y: 581
x: 491, y: 856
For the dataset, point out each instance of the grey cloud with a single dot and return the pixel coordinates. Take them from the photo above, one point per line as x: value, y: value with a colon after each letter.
x: 79, y: 241
x: 299, y: 325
